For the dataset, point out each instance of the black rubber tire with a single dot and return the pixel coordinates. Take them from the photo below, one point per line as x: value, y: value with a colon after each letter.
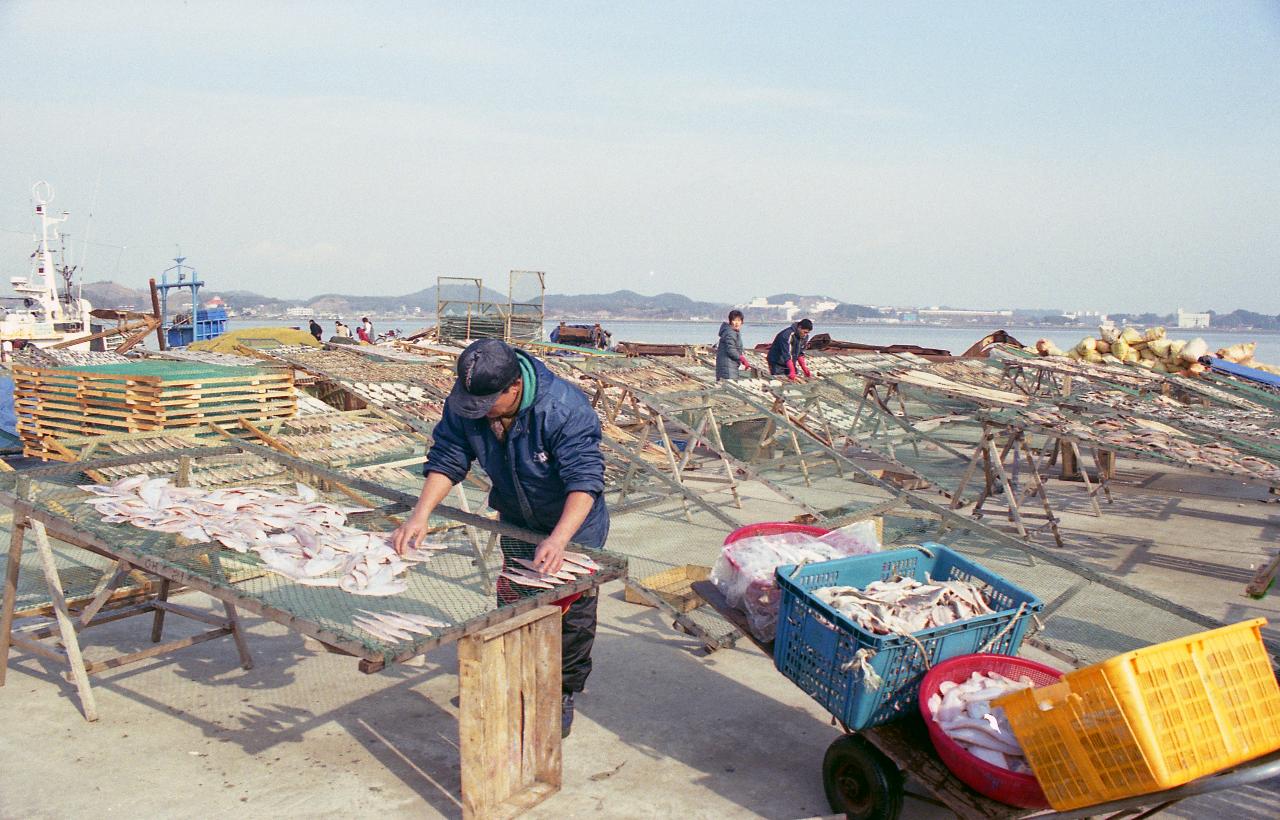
x: 860, y: 781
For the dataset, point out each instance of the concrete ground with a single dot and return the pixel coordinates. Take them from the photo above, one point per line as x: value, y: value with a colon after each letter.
x: 664, y: 729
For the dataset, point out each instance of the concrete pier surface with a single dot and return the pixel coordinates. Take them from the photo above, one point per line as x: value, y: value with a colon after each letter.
x: 665, y: 729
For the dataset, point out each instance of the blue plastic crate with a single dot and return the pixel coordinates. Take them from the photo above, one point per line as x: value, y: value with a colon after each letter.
x: 816, y: 646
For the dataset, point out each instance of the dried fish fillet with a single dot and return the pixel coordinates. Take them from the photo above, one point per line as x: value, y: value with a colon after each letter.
x: 296, y: 536
x: 904, y: 606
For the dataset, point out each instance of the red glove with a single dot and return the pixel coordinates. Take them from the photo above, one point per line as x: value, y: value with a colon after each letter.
x: 805, y: 368
x: 791, y: 370
x: 742, y: 360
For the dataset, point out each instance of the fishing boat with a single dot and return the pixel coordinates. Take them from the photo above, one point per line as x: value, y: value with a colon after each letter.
x: 201, y: 321
x: 39, y: 313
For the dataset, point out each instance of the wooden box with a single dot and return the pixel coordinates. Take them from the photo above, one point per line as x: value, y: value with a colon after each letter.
x: 509, y: 715
x: 673, y: 586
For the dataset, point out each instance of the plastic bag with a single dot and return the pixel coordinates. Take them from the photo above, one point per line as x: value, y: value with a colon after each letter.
x: 860, y: 538
x: 744, y: 572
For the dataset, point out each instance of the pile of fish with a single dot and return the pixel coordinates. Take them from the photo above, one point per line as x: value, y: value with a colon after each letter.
x: 1214, y: 419
x: 207, y: 357
x: 902, y: 606
x: 396, y: 626
x: 205, y: 471
x: 55, y: 357
x: 964, y: 712
x: 526, y: 574
x: 1158, y: 438
x: 298, y: 537
x: 345, y: 440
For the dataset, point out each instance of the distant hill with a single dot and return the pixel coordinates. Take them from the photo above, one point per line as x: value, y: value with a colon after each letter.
x: 111, y: 295
x: 851, y: 311
x: 620, y: 304
x: 629, y: 304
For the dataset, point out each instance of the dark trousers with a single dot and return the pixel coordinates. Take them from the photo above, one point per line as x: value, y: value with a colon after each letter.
x: 778, y: 370
x: 577, y: 625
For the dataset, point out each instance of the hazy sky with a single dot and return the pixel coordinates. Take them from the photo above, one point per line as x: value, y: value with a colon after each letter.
x: 1113, y: 156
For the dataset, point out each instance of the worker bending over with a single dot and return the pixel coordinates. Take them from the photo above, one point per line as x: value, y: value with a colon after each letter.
x: 538, y: 439
x: 787, y: 351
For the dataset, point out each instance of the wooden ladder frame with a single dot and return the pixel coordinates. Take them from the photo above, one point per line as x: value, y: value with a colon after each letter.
x: 30, y: 637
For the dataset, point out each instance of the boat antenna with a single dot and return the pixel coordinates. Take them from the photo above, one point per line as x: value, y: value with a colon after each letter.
x: 93, y: 203
x: 66, y: 271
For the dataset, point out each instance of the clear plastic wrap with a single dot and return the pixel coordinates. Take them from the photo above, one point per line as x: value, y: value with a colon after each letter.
x: 744, y: 572
x: 859, y: 538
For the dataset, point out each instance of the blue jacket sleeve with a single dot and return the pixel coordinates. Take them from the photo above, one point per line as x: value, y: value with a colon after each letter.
x: 450, y: 454
x: 576, y: 446
x: 797, y: 345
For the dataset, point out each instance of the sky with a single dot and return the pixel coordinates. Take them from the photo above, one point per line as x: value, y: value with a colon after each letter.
x: 1082, y: 156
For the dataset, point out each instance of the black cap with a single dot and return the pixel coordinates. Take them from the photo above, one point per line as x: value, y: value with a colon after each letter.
x: 485, y: 369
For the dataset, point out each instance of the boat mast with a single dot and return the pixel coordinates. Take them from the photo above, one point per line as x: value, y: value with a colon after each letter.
x: 44, y: 288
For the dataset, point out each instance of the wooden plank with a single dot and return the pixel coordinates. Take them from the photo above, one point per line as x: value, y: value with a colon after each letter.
x: 531, y: 710
x: 29, y: 643
x: 547, y: 682
x: 513, y: 733
x: 471, y: 726
x: 70, y: 641
x: 152, y: 651
x: 12, y: 568
x: 1262, y: 581
x: 519, y: 621
x: 509, y: 717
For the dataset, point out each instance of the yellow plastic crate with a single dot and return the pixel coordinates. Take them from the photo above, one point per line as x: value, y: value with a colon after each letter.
x: 1151, y: 719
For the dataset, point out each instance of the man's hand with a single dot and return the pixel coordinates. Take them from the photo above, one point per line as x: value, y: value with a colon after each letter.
x: 792, y: 377
x: 410, y: 534
x: 550, y: 555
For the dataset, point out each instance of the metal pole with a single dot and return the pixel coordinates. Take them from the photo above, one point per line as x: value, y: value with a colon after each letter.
x: 155, y: 310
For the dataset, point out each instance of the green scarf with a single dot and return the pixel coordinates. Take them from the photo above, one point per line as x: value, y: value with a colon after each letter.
x: 530, y: 379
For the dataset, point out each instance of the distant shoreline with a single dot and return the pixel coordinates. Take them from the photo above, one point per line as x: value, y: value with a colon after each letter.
x: 982, y: 330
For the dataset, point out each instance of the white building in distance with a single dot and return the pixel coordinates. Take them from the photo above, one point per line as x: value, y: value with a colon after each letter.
x: 936, y: 314
x: 300, y: 313
x: 1192, y: 319
x: 789, y: 308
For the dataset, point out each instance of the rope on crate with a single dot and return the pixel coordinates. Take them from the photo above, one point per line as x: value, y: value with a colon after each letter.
x: 1017, y: 616
x: 862, y: 661
x: 924, y: 653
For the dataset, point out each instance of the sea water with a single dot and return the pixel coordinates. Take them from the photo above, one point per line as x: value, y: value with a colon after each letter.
x: 955, y: 339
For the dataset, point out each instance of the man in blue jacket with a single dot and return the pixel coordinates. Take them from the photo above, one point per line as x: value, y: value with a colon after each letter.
x: 787, y: 350
x: 538, y: 439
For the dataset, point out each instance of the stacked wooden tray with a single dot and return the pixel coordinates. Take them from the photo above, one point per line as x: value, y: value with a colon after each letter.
x: 140, y: 396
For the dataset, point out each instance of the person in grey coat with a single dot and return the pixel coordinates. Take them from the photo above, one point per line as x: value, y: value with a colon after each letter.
x: 729, y: 353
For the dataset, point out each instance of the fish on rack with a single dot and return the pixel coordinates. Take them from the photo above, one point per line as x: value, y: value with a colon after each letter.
x: 297, y: 537
x: 526, y: 574
x: 396, y: 626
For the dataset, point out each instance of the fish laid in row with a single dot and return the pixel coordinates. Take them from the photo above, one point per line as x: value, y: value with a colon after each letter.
x: 298, y: 537
x: 526, y: 574
x: 396, y: 626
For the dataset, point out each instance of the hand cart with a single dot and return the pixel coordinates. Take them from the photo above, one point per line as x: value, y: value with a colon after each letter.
x: 864, y: 772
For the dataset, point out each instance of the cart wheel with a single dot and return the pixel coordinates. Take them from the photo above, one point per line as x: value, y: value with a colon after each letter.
x: 860, y: 781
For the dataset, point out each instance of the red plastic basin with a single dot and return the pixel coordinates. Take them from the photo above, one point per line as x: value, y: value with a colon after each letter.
x: 773, y: 528
x: 1022, y: 790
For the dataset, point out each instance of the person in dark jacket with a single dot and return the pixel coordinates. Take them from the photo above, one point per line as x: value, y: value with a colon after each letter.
x: 316, y: 330
x: 538, y: 439
x: 729, y: 352
x: 787, y: 351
